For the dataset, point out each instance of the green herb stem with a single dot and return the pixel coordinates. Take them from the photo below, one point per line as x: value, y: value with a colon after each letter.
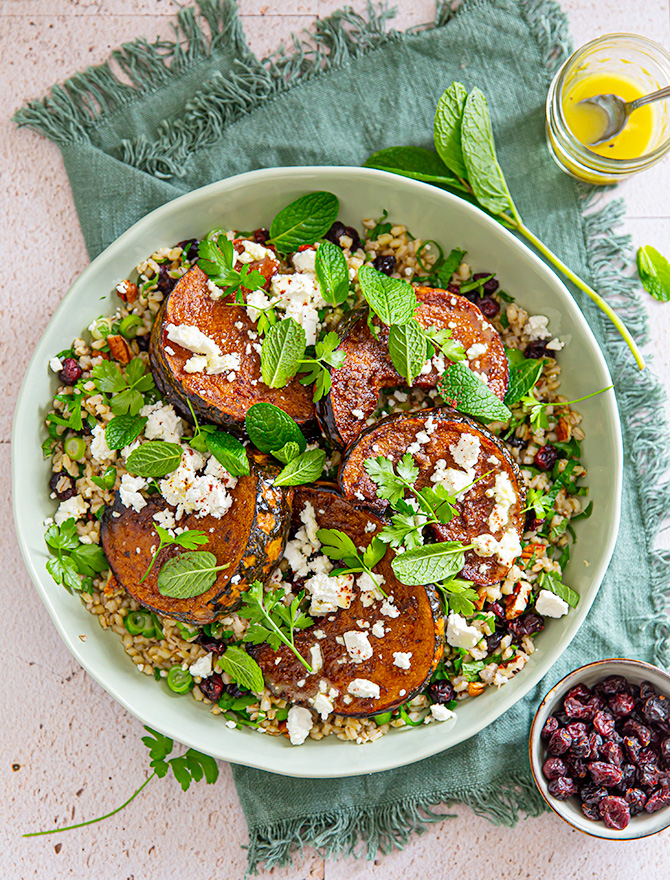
x: 93, y: 821
x: 582, y: 285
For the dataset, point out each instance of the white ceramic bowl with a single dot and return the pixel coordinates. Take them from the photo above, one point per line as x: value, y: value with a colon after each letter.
x: 247, y: 201
x: 642, y: 825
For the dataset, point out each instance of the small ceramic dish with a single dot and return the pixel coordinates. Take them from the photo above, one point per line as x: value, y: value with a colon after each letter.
x: 641, y: 825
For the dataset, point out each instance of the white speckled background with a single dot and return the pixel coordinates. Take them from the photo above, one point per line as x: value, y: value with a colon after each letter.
x: 79, y: 754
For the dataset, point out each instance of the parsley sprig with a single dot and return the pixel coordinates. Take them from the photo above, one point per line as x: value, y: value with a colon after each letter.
x: 74, y: 565
x: 537, y: 410
x: 189, y: 540
x: 127, y: 389
x: 317, y: 368
x: 271, y: 621
x: 190, y: 767
x: 336, y: 544
x: 216, y: 257
x: 458, y: 596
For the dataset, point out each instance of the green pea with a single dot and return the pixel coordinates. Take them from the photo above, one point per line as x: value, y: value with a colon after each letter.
x: 75, y: 448
x: 139, y: 623
x: 129, y: 326
x: 383, y: 718
x: 179, y: 680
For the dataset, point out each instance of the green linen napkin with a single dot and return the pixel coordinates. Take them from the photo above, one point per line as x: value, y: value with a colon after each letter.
x: 203, y: 108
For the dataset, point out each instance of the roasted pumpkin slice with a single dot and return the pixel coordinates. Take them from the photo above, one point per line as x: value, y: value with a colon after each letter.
x: 370, y: 655
x: 221, y: 398
x: 250, y: 537
x: 368, y: 369
x: 453, y: 450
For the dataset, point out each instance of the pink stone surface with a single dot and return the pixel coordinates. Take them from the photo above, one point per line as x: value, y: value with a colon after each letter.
x: 78, y: 753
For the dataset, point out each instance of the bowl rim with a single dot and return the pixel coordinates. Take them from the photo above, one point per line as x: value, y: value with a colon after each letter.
x: 550, y: 699
x: 238, y: 751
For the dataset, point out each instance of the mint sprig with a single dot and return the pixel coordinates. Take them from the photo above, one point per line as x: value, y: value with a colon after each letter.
x: 654, y: 272
x: 304, y: 221
x: 123, y: 430
x: 391, y: 299
x: 270, y: 428
x: 336, y: 544
x: 282, y: 352
x: 304, y: 468
x: 317, y: 369
x: 430, y: 564
x: 332, y: 273
x: 216, y: 257
x: 153, y: 459
x: 242, y: 669
x: 189, y: 540
x: 468, y: 394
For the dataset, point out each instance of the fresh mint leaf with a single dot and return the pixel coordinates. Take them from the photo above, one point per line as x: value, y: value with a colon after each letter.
x: 522, y: 378
x: 414, y: 162
x: 391, y: 299
x: 447, y: 128
x: 306, y: 468
x: 460, y: 387
x: 189, y: 540
x: 228, y: 451
x: 654, y: 272
x: 304, y: 221
x: 332, y: 272
x: 283, y: 348
x: 106, y: 481
x: 481, y: 163
x: 122, y: 430
x: 189, y: 574
x: 552, y: 581
x: 242, y: 669
x: 450, y: 265
x: 426, y: 565
x: 270, y: 428
x: 287, y: 453
x: 155, y: 458
x: 408, y: 349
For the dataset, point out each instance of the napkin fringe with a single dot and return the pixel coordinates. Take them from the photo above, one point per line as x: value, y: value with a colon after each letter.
x: 611, y: 262
x: 385, y: 827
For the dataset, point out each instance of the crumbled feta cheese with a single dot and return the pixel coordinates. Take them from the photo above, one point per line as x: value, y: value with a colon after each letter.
x: 358, y: 645
x: 306, y: 544
x: 74, y: 507
x: 258, y: 299
x: 441, y: 713
x: 299, y: 295
x: 299, y: 723
x: 56, y: 364
x: 555, y: 345
x: 165, y: 518
x: 329, y: 593
x: 370, y: 526
x: 476, y: 350
x: 100, y: 451
x: 388, y: 609
x: 548, y: 604
x: 202, y: 666
x: 484, y: 545
x: 317, y: 658
x: 378, y: 629
x: 505, y: 497
x: 129, y: 492
x: 466, y: 451
x: 304, y: 260
x: 357, y: 413
x: 362, y: 687
x: 536, y: 327
x: 459, y: 634
x: 203, y: 495
x: 254, y: 252
x: 208, y: 357
x: 454, y: 481
x: 163, y: 423
x: 401, y: 659
x: 507, y: 549
x: 323, y: 706
x: 367, y: 585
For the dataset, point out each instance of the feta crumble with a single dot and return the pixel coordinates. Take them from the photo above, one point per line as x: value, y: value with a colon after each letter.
x: 466, y: 451
x: 100, y: 451
x: 459, y: 634
x: 299, y: 723
x: 548, y: 604
x: 163, y: 423
x: 358, y: 646
x: 74, y: 507
x: 129, y: 492
x: 208, y: 357
x: 202, y: 667
x: 56, y: 364
x: 402, y: 660
x: 364, y: 688
x: 441, y: 713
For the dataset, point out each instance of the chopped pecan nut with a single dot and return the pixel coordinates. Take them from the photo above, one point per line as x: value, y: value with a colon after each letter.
x: 127, y: 290
x: 475, y: 688
x: 517, y: 601
x: 563, y: 430
x: 119, y: 349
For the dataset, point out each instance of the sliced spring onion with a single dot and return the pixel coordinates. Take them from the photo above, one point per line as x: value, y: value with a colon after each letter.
x: 75, y: 448
x: 179, y: 680
x: 139, y: 623
x: 383, y: 718
x: 129, y: 326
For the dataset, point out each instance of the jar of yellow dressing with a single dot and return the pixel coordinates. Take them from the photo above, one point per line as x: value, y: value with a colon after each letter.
x: 626, y: 65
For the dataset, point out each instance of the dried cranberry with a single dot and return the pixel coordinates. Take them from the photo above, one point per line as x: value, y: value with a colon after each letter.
x: 657, y: 800
x: 649, y: 775
x: 636, y: 799
x: 562, y: 788
x: 532, y: 521
x: 665, y: 751
x: 212, y: 687
x: 595, y: 744
x: 612, y: 752
x: 234, y: 690
x: 550, y: 726
x: 536, y: 350
x: 648, y: 756
x: 493, y: 641
x: 628, y: 776
x: 71, y: 372
x: 647, y: 690
x: 143, y: 341
x: 604, y: 723
x: 591, y: 811
x: 498, y: 609
x: 489, y: 286
x: 621, y: 705
x: 613, y: 684
x: 592, y: 794
x: 656, y: 709
x: 615, y: 812
x: 553, y: 768
x: 641, y: 731
x: 632, y: 746
x: 516, y: 442
x: 68, y: 488
x: 579, y: 692
x: 488, y: 306
x: 577, y: 728
x: 165, y: 284
x: 261, y: 235
x: 577, y: 768
x: 526, y: 625
x: 605, y: 774
x: 209, y: 643
x: 546, y: 457
x: 385, y: 264
x: 442, y: 691
x: 559, y: 742
x: 189, y: 248
x: 575, y: 709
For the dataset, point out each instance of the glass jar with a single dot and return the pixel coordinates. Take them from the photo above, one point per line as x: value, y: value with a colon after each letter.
x: 630, y: 57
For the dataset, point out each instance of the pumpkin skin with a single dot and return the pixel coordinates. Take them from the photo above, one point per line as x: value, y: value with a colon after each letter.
x: 368, y: 368
x: 251, y: 537
x: 393, y: 434
x: 418, y: 629
x: 214, y: 399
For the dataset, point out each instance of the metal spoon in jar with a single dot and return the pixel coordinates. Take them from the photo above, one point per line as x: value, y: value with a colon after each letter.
x: 615, y: 111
